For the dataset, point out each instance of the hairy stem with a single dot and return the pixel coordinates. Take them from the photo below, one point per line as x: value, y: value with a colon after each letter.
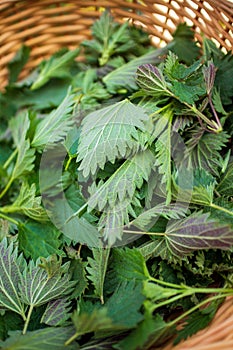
x: 9, y: 160
x: 5, y: 217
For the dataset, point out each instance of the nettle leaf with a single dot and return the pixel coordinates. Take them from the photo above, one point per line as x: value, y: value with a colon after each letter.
x: 93, y: 321
x: 147, y: 219
x: 185, y: 46
x: 54, y: 126
x: 124, y: 76
x: 37, y: 288
x: 225, y: 186
x: 133, y: 262
x: 19, y: 127
x: 56, y: 312
x: 163, y: 148
x: 176, y: 70
x: 124, y: 305
x: 24, y: 161
x: 50, y: 338
x: 203, y: 150
x: 55, y: 67
x: 11, y: 267
x: 16, y: 64
x: 151, y: 80
x: 108, y: 134
x: 111, y: 223
x: 124, y: 182
x: 27, y: 203
x: 196, y: 232
x: 97, y: 270
x: 38, y: 239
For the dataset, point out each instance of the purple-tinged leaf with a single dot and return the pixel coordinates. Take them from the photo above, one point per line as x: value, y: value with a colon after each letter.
x: 209, y: 77
x: 151, y: 80
x: 56, y: 313
x: 197, y: 232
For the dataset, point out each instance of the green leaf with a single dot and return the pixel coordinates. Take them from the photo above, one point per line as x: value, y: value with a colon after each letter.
x: 184, y: 45
x: 27, y: 203
x: 134, y: 265
x: 19, y: 127
x: 16, y: 64
x: 51, y: 338
x: 195, y: 322
x: 97, y: 270
x: 163, y: 147
x: 225, y: 186
x: 145, y: 335
x: 151, y: 80
x: 39, y: 240
x: 125, y: 304
x: 124, y: 76
x: 24, y: 161
x: 124, y: 182
x: 56, y: 66
x: 198, y: 231
x: 108, y: 134
x: 11, y: 267
x: 79, y: 230
x: 88, y: 322
x: 203, y: 150
x: 37, y: 288
x: 56, y: 312
x: 146, y: 219
x: 55, y: 126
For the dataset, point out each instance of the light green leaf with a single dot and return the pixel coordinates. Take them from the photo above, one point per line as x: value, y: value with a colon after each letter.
x: 19, y: 127
x: 54, y: 126
x: 11, y: 267
x: 37, y: 288
x: 56, y: 312
x: 124, y: 182
x: 155, y: 248
x: 124, y: 76
x: 163, y: 147
x: 147, y: 218
x: 24, y: 162
x: 108, y: 134
x: 97, y: 270
x: 27, y: 203
x: 50, y: 338
x: 55, y: 67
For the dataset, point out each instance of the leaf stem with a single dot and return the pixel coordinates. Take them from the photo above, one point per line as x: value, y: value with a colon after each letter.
x: 9, y: 219
x: 9, y: 160
x: 6, y: 187
x: 28, y: 318
x: 225, y: 210
x: 71, y: 339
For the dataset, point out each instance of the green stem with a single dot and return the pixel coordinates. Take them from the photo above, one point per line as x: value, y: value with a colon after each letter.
x: 7, y: 187
x: 5, y: 217
x: 227, y: 211
x: 9, y: 160
x: 194, y: 308
x: 171, y: 300
x: 71, y: 339
x: 28, y: 319
x: 68, y: 163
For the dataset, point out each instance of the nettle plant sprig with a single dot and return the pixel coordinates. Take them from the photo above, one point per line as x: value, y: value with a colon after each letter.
x: 192, y: 86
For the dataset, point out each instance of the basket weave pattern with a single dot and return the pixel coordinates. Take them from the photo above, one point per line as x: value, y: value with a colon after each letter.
x: 48, y: 25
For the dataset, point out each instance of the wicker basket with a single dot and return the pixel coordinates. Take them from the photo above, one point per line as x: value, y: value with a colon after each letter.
x: 48, y: 25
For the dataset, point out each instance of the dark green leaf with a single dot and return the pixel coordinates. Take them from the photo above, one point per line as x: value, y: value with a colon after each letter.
x: 16, y: 64
x: 37, y: 240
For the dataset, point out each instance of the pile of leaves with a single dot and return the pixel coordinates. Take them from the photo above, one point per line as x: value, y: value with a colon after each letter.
x: 116, y: 212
